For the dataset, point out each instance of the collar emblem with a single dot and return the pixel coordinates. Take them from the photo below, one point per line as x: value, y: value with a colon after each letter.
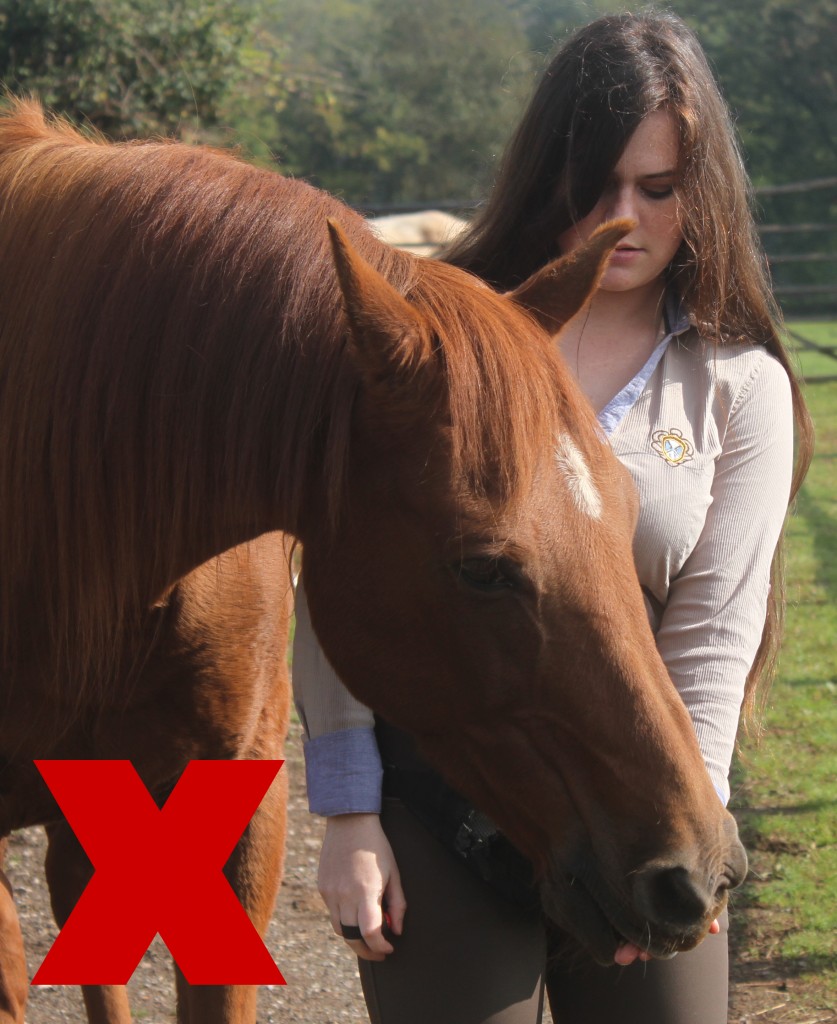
x: 672, y: 446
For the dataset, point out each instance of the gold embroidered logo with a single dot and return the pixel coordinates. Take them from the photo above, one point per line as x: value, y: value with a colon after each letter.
x: 672, y: 446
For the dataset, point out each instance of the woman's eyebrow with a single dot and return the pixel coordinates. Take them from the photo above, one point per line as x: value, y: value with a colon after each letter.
x: 659, y: 174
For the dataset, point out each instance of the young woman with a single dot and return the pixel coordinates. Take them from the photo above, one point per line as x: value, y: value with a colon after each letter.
x: 680, y: 353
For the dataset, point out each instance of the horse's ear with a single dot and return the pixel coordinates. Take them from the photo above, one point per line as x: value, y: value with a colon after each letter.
x: 390, y: 335
x: 557, y: 291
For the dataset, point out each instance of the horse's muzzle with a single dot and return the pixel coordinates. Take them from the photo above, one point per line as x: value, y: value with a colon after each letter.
x: 665, y: 906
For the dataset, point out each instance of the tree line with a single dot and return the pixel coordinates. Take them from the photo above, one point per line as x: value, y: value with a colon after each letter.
x: 388, y: 102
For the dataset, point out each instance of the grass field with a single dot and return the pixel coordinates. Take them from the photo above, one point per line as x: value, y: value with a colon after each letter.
x: 785, y: 790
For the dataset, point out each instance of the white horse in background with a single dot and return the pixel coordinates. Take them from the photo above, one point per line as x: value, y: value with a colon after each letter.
x: 423, y: 233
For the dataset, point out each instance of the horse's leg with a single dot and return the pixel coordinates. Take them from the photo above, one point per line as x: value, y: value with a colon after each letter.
x: 14, y: 981
x: 68, y: 871
x: 106, y: 1004
x: 255, y: 872
x: 236, y: 612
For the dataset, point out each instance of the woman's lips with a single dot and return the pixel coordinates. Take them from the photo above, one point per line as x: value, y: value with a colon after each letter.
x: 625, y: 252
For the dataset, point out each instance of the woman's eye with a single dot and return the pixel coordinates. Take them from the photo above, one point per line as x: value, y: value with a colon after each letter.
x: 658, y: 193
x: 484, y: 574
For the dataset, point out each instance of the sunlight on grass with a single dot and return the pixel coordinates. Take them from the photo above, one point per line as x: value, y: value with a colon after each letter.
x: 785, y: 791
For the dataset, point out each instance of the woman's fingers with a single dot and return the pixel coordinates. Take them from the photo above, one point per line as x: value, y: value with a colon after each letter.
x: 357, y: 872
x: 373, y: 928
x: 366, y: 951
x: 395, y: 903
x: 367, y: 939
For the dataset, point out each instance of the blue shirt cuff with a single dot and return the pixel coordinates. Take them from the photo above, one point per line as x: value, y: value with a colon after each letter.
x: 344, y: 773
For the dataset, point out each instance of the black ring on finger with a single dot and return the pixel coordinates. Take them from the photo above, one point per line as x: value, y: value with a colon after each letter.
x: 350, y: 931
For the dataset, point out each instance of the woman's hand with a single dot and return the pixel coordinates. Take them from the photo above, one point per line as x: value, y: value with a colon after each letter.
x: 358, y: 876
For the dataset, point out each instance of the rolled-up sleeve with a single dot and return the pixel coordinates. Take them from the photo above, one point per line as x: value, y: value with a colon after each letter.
x: 342, y: 763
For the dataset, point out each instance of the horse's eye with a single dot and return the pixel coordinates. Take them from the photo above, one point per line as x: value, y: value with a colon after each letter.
x: 485, y: 574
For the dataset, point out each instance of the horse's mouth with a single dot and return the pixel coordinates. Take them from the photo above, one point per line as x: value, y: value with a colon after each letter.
x: 602, y: 925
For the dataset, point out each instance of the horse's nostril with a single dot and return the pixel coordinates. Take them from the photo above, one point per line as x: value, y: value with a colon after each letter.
x: 737, y: 864
x: 722, y: 891
x: 670, y: 896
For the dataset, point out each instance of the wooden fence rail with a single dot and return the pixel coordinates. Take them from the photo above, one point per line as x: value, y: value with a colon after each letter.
x: 812, y: 255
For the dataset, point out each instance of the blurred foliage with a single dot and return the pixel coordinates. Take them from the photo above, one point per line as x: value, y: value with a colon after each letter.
x: 395, y: 99
x: 385, y: 100
x: 410, y: 101
x: 128, y: 67
x: 775, y: 62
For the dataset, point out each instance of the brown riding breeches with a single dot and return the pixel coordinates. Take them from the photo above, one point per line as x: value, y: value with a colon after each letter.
x: 469, y: 956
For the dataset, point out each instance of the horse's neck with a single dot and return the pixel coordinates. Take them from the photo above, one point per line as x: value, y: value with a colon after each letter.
x: 263, y: 462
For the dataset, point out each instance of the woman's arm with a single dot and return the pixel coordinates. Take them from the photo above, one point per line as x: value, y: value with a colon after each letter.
x: 712, y: 623
x: 342, y: 763
x: 357, y: 874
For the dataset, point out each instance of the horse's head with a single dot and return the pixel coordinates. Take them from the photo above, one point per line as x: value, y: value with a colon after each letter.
x: 480, y: 593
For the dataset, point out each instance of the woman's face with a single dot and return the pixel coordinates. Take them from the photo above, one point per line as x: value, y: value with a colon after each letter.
x: 641, y: 187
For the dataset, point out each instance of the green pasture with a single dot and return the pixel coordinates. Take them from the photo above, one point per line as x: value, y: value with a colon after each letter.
x: 785, y: 789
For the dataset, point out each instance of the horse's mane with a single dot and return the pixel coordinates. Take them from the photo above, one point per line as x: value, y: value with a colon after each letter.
x: 157, y: 303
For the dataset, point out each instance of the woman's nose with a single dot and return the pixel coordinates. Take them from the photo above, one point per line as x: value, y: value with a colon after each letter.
x: 622, y: 204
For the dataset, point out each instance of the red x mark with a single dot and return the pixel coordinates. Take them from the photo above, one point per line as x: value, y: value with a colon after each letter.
x: 158, y: 870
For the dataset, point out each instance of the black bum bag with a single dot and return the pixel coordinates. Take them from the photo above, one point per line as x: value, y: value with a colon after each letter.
x: 464, y: 831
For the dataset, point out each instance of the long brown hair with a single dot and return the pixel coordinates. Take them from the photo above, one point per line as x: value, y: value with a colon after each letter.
x: 601, y: 83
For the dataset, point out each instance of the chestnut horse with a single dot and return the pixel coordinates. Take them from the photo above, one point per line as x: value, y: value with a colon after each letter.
x: 195, y: 354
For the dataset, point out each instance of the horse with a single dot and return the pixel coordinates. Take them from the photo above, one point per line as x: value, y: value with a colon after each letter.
x: 202, y: 362
x: 424, y: 232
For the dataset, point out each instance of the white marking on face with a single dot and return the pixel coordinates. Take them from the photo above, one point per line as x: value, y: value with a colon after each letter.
x: 578, y: 477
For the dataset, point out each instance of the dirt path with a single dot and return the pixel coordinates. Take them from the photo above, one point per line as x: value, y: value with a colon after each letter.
x: 322, y: 985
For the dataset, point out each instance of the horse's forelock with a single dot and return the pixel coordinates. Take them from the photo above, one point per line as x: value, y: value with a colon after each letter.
x: 509, y: 394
